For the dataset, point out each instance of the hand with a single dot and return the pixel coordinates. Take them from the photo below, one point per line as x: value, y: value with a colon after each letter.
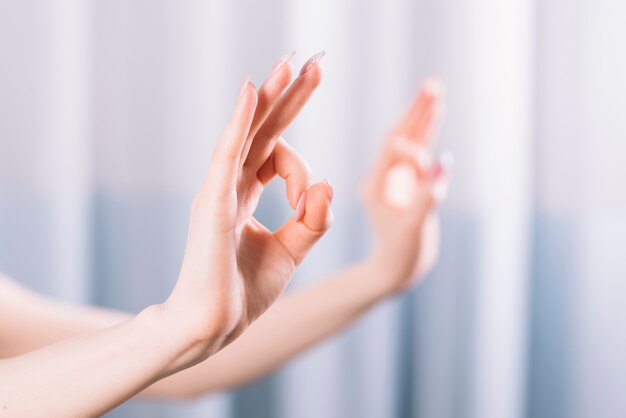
x: 400, y: 195
x: 234, y: 268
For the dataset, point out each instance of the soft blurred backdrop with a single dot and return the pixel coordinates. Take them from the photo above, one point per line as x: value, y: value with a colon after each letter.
x: 109, y: 111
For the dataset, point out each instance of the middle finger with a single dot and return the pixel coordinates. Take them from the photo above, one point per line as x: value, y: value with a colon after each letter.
x: 283, y: 113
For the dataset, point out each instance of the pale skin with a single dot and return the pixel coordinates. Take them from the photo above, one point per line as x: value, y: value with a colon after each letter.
x: 220, y: 326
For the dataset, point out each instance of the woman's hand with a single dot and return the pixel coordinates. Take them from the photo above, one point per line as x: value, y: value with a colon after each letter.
x: 400, y: 195
x: 234, y: 268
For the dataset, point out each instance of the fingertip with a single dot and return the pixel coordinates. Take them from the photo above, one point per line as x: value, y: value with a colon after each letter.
x: 248, y: 99
x: 281, y: 76
x: 288, y: 164
x: 312, y: 62
x: 442, y: 171
x: 250, y: 92
x: 286, y: 70
x: 317, y: 214
x: 313, y: 75
x: 295, y: 190
x: 433, y: 87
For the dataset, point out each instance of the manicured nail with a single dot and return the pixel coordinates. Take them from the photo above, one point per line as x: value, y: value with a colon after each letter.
x: 244, y: 83
x: 315, y: 58
x: 282, y: 60
x: 447, y: 161
x: 331, y: 191
x: 300, y: 207
x: 444, y: 164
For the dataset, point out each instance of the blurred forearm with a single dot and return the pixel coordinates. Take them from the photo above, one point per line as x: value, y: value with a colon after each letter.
x: 296, y: 322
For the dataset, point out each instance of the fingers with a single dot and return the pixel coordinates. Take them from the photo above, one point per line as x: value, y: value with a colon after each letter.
x: 225, y: 161
x: 312, y: 219
x: 421, y: 119
x: 288, y: 164
x: 403, y: 180
x: 269, y: 93
x: 399, y: 151
x: 284, y: 112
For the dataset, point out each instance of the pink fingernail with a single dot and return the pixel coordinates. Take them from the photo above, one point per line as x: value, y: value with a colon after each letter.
x: 438, y: 169
x: 279, y: 63
x: 300, y: 207
x: 331, y: 191
x: 447, y: 161
x: 244, y: 83
x: 444, y: 164
x: 315, y: 58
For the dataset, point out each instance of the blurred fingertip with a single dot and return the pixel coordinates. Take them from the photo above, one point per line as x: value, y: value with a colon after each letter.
x: 434, y: 87
x: 447, y: 161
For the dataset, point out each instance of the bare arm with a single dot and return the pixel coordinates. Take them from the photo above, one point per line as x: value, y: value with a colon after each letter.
x: 293, y: 324
x: 315, y: 312
x: 406, y: 240
x: 233, y: 270
x: 304, y: 317
x: 90, y: 374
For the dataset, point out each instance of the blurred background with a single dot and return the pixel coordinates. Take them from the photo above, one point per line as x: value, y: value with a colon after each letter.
x: 109, y: 111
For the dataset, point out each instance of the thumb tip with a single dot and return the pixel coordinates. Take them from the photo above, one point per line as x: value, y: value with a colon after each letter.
x: 314, y: 207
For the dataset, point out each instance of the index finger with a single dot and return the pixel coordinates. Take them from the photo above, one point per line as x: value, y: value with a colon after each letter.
x: 284, y: 112
x: 268, y: 94
x: 419, y: 122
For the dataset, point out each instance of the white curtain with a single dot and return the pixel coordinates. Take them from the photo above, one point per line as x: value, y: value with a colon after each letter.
x: 109, y: 111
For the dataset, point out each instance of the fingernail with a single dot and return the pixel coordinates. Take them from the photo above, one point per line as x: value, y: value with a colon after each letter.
x: 447, y: 161
x: 444, y: 164
x: 279, y: 63
x: 315, y: 58
x: 244, y: 83
x: 300, y: 207
x: 331, y: 191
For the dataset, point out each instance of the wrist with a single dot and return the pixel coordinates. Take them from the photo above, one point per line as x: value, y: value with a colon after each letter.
x: 375, y: 279
x: 181, y: 344
x: 383, y: 278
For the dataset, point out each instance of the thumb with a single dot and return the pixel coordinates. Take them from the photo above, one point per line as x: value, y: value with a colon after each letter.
x: 312, y: 219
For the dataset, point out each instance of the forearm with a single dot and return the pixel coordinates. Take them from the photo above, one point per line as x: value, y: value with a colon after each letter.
x: 92, y: 373
x: 296, y: 322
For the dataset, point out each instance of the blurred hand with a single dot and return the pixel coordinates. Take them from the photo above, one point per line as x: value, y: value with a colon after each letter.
x: 234, y: 268
x: 400, y: 195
